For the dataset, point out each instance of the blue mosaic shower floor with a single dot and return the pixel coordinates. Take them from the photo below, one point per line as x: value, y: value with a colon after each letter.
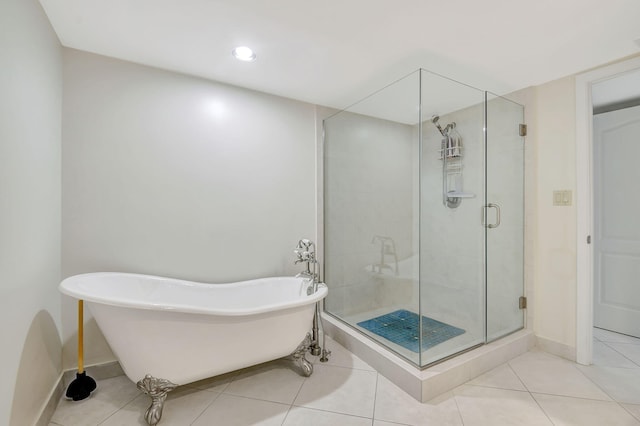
x: 402, y: 328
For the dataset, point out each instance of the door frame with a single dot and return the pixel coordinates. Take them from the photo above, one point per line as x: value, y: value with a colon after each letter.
x: 584, y: 201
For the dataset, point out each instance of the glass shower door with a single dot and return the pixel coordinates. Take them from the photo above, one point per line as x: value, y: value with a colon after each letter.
x: 452, y: 239
x: 504, y: 216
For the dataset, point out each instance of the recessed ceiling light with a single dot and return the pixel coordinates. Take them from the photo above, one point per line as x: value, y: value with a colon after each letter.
x: 243, y: 53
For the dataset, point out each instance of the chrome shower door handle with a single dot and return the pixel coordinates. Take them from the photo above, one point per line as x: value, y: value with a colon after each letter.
x: 491, y: 225
x: 497, y: 207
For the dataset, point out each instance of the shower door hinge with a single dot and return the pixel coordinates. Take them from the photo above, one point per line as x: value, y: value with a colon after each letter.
x: 522, y: 302
x: 523, y: 130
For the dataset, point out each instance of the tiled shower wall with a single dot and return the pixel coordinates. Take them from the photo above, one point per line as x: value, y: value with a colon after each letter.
x: 369, y: 191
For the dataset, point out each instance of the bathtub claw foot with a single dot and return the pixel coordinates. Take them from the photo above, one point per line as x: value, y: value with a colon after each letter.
x: 157, y: 389
x: 299, y: 356
x: 306, y: 366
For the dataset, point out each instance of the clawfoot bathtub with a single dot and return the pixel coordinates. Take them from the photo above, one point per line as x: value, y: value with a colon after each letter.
x: 168, y: 332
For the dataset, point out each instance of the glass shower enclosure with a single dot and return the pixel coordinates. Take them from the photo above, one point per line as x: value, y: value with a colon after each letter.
x: 423, y: 217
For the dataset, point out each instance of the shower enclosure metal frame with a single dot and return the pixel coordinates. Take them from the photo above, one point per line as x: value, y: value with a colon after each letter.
x: 491, y: 108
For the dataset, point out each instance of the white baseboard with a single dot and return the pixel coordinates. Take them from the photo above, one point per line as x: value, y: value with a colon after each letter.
x: 49, y: 407
x: 557, y: 348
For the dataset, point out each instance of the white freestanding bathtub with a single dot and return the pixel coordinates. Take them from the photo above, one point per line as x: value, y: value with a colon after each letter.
x: 167, y: 332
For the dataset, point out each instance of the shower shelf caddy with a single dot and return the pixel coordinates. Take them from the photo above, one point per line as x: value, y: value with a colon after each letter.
x: 450, y: 153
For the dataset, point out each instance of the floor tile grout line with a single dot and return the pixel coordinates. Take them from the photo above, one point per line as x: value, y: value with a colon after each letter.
x: 574, y: 397
x: 575, y: 366
x: 621, y: 343
x: 494, y: 387
x: 627, y: 411
x: 347, y: 414
x: 630, y: 413
x: 518, y: 376
x: 206, y: 408
x: 636, y: 339
x: 617, y: 351
x: 637, y: 343
x: 595, y: 383
x: 120, y: 409
x: 287, y: 414
x: 455, y: 399
x: 254, y: 398
x: 239, y: 396
x: 117, y: 409
x: 375, y: 399
x: 529, y: 392
x: 510, y: 390
x: 541, y: 408
x: 294, y: 399
x: 612, y: 398
x: 393, y: 423
x: 330, y: 411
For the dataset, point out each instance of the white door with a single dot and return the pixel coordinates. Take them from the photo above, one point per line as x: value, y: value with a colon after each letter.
x: 616, y: 141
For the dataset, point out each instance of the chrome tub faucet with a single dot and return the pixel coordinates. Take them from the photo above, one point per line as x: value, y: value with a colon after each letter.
x: 305, y: 252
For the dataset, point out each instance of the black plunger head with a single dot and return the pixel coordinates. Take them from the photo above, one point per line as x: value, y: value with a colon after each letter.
x: 81, y: 387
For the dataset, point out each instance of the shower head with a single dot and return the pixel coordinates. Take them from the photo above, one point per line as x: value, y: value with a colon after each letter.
x: 434, y: 120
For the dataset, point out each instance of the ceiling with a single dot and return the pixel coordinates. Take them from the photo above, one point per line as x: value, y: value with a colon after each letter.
x: 336, y: 52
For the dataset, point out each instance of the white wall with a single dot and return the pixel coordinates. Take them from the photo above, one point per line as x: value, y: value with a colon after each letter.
x: 176, y: 176
x: 555, y: 276
x: 550, y: 231
x: 30, y: 128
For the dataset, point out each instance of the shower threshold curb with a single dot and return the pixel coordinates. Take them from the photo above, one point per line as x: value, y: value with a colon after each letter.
x: 426, y: 384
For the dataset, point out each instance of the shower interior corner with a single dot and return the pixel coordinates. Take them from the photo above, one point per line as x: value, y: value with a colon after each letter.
x: 423, y: 207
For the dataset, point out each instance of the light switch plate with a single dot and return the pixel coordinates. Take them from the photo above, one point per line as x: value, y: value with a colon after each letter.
x: 562, y: 197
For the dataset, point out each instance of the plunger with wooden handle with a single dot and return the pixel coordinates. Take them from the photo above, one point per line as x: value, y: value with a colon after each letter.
x: 83, y: 385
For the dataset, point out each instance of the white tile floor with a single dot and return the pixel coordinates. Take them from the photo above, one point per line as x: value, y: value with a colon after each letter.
x: 534, y: 389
